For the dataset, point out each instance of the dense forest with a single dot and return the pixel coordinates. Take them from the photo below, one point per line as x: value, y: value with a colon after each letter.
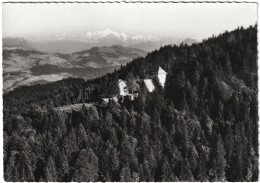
x: 202, y: 126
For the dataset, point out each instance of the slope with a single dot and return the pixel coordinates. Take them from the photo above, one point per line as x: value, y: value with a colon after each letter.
x: 201, y: 127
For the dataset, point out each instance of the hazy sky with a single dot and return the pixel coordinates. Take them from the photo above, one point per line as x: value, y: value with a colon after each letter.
x: 199, y: 20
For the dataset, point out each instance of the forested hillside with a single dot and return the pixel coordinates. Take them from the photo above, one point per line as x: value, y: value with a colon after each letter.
x: 201, y: 127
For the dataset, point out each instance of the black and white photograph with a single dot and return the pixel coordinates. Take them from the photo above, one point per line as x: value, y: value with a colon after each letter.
x: 130, y: 91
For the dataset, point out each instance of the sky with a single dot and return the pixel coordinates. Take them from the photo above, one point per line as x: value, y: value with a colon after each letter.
x: 193, y: 20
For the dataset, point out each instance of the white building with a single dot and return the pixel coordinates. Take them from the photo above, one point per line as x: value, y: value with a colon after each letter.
x: 149, y: 85
x: 106, y: 100
x: 162, y: 76
x: 123, y: 88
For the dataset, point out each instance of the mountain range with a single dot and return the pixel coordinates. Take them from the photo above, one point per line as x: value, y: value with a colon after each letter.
x: 87, y: 55
x: 23, y: 65
x: 87, y: 40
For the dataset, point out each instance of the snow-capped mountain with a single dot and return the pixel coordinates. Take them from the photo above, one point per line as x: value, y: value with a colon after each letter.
x: 145, y: 38
x: 113, y: 36
x: 105, y: 35
x: 64, y: 43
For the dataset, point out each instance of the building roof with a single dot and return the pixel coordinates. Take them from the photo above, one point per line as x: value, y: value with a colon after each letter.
x: 149, y: 84
x: 161, y: 71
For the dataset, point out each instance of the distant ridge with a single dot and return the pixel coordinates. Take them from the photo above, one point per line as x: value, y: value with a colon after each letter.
x: 73, y: 43
x: 25, y: 66
x: 189, y: 41
x: 16, y: 42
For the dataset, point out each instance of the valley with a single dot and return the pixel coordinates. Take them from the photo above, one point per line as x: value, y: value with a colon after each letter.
x: 25, y: 66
